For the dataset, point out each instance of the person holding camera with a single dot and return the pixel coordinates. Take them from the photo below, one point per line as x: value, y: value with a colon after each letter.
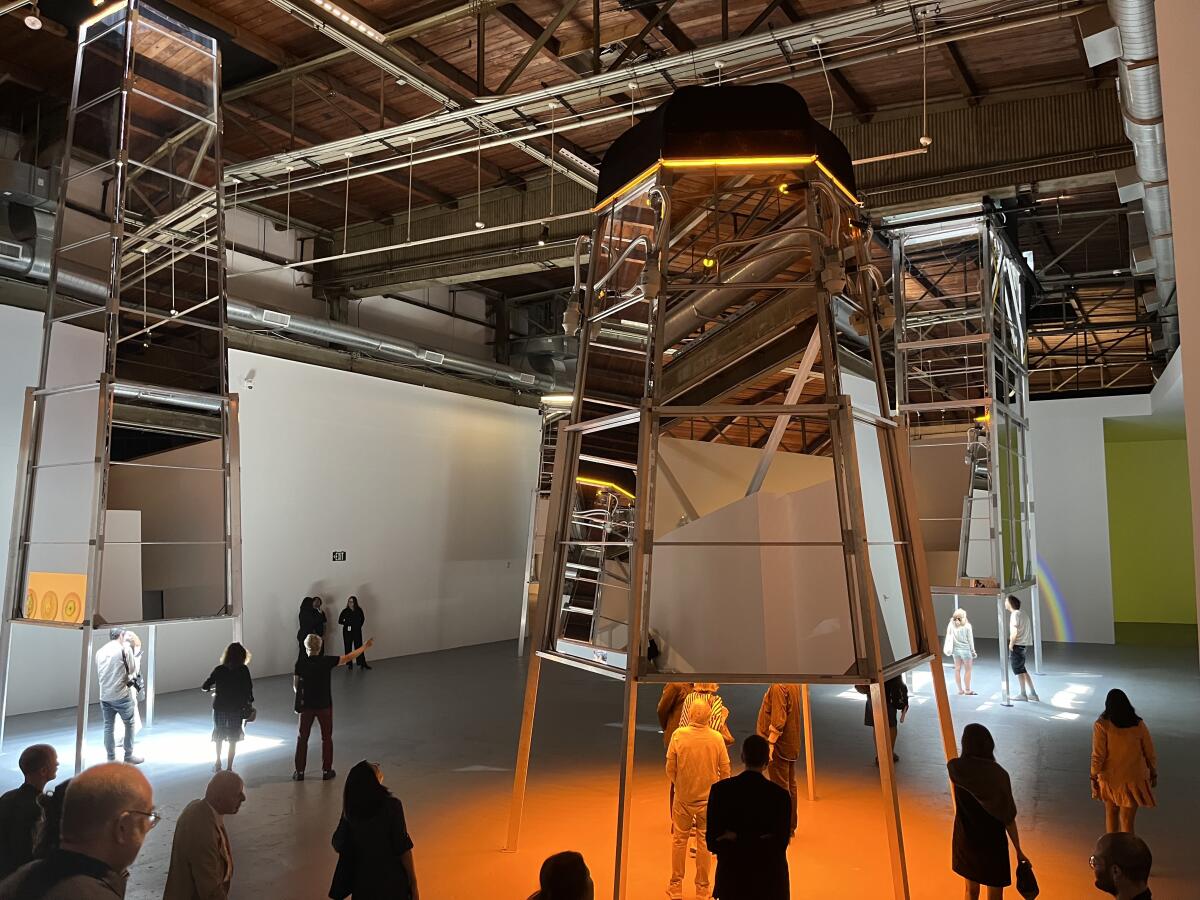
x: 118, y: 678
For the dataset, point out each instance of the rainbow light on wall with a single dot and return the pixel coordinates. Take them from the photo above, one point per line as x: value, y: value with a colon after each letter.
x: 1050, y: 595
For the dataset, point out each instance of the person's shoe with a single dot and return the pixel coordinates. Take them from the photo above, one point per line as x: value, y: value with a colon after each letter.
x: 1035, y: 698
x: 216, y: 767
x: 365, y: 666
x: 297, y: 776
x: 328, y: 775
x: 895, y: 758
x: 1021, y: 697
x: 134, y: 760
x: 112, y: 759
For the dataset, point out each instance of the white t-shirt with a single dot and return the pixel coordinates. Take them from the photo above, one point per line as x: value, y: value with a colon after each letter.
x: 1019, y: 629
x: 111, y: 671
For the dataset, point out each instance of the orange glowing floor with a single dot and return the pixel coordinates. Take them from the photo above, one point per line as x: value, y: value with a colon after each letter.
x: 444, y: 728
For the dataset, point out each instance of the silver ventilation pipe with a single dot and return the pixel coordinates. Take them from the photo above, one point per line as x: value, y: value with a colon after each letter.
x: 1138, y: 83
x: 25, y: 240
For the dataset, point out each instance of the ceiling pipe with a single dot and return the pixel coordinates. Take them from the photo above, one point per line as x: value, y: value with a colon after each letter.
x: 31, y: 261
x: 1138, y: 83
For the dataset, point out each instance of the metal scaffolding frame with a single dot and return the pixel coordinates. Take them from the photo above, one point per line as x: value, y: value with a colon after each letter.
x: 141, y: 364
x: 702, y: 280
x: 961, y: 294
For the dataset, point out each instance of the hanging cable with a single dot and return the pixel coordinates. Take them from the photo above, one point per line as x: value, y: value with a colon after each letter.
x: 828, y: 83
x: 926, y: 140
x: 287, y: 221
x: 346, y: 211
x: 553, y: 125
x: 479, y: 223
x: 408, y: 229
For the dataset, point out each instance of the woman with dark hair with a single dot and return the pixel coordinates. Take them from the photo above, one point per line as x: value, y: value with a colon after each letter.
x: 48, y: 834
x: 1124, y: 765
x: 984, y: 812
x: 233, y: 699
x: 375, y: 860
x: 351, y: 619
x: 312, y: 621
x: 564, y: 876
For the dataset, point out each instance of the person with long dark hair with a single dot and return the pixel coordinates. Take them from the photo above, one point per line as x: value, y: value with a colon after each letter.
x: 375, y: 852
x: 233, y: 699
x: 1124, y: 765
x: 312, y: 621
x: 48, y: 835
x: 564, y: 876
x: 984, y: 814
x: 352, y: 619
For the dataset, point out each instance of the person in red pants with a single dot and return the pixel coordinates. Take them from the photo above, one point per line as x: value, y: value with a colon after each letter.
x: 314, y: 700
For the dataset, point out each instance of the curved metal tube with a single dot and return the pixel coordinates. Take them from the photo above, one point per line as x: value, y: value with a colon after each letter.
x: 640, y: 240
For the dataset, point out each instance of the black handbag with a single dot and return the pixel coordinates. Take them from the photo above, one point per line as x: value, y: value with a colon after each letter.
x: 1027, y: 885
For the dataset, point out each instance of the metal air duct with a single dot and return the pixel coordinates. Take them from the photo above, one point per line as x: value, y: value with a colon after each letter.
x: 1138, y: 84
x: 26, y: 236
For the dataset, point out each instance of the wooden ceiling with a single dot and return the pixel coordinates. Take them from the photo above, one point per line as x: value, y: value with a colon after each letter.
x: 487, y: 47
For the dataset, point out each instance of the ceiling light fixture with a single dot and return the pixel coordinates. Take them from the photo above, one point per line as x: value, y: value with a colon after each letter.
x: 33, y: 21
x: 543, y: 236
x: 354, y: 22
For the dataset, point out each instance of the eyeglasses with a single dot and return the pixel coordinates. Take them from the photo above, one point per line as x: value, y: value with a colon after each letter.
x: 153, y: 815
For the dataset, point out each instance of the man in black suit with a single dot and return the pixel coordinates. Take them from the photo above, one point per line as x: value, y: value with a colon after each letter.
x: 749, y: 823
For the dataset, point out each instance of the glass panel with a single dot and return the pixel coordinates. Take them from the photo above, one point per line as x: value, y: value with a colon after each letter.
x: 55, y: 583
x: 157, y: 581
x: 98, y: 128
x: 629, y: 225
x: 179, y: 494
x: 61, y: 505
x: 102, y: 63
x: 68, y: 428
x: 752, y: 610
x: 76, y: 352
x: 174, y: 63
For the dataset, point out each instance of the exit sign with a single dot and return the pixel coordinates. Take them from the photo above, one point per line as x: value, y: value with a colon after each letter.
x: 339, y: 555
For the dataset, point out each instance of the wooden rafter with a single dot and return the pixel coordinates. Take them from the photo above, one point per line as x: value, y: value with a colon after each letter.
x: 539, y: 44
x: 671, y: 31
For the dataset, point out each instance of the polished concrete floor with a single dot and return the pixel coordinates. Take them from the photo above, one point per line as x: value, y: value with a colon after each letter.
x: 444, y: 727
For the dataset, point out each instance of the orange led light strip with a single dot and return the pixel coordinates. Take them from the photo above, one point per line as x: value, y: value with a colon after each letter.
x: 596, y: 482
x: 716, y: 162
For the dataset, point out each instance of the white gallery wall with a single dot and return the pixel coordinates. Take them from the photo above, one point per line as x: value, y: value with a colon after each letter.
x: 1071, y: 515
x: 426, y: 491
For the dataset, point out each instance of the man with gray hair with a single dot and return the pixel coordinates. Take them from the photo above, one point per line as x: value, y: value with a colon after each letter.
x: 314, y: 700
x: 107, y: 813
x: 201, y: 859
x: 696, y: 760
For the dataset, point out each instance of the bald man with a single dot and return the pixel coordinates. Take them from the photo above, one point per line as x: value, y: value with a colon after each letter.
x: 107, y: 813
x: 1121, y: 863
x: 201, y: 860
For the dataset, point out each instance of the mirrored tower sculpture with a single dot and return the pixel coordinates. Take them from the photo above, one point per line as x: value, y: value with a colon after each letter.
x: 127, y: 492
x: 731, y: 386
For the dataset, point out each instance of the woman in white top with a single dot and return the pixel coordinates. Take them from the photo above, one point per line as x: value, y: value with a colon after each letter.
x: 960, y: 644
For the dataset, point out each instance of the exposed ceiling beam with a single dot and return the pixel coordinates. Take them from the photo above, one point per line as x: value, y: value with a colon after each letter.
x: 761, y: 18
x: 863, y: 111
x: 539, y: 43
x: 671, y: 31
x: 639, y: 41
x: 958, y: 68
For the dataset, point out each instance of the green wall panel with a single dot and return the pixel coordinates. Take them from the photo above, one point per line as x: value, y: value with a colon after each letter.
x: 1150, y: 528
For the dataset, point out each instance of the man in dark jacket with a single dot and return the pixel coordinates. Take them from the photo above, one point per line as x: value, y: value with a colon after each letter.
x: 21, y: 808
x: 749, y: 823
x: 107, y: 813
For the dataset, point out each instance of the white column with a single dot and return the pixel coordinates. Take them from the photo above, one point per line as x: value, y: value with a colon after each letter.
x: 1178, y: 37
